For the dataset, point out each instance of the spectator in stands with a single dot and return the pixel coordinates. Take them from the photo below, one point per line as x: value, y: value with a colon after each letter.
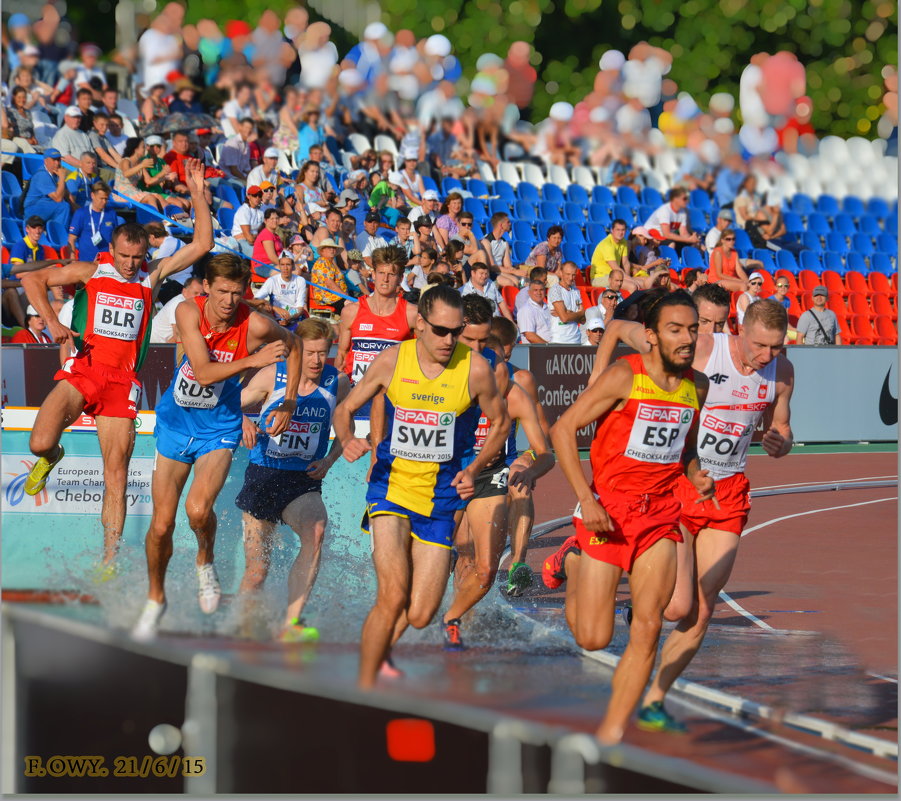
x: 388, y: 187
x: 267, y: 171
x: 429, y: 208
x: 748, y: 205
x: 84, y: 99
x: 70, y: 140
x: 37, y: 93
x: 751, y: 295
x: 33, y: 332
x: 453, y: 255
x: 440, y: 148
x: 548, y: 254
x: 130, y: 170
x: 404, y: 240
x: 307, y: 189
x: 411, y: 182
x: 20, y: 120
x: 819, y: 325
x: 358, y: 274
x: 91, y: 228
x: 497, y: 254
x: 622, y: 172
x: 47, y: 190
x: 725, y: 267
x: 302, y: 254
x: 240, y: 107
x: 185, y: 100
x: 114, y: 134
x: 27, y: 249
x: 326, y: 273
x: 154, y: 106
x: 565, y: 302
x: 418, y: 277
x: 724, y: 220
x: 283, y: 294
x: 104, y: 149
x: 311, y: 132
x: 466, y: 235
x: 424, y: 236
x: 267, y: 247
x: 248, y: 220
x: 669, y: 223
x: 781, y: 294
x: 80, y: 180
x: 235, y: 156
x: 109, y: 102
x: 479, y: 283
x: 163, y: 328
x: 693, y: 279
x: 369, y: 239
x: 534, y: 317
x: 607, y: 303
x: 90, y: 69
x: 593, y: 329
x: 612, y: 252
x: 331, y: 229
x: 729, y: 180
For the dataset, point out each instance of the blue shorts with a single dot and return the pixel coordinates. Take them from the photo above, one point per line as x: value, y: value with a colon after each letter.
x: 187, y: 449
x: 268, y: 491
x: 431, y: 530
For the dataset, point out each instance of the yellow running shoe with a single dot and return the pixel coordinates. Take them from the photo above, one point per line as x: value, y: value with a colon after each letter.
x: 104, y: 572
x: 296, y: 631
x: 37, y: 478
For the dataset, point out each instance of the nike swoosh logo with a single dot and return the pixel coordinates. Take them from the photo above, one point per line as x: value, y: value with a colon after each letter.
x: 888, y: 403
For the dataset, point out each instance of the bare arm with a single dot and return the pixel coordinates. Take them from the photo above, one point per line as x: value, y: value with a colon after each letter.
x: 318, y: 470
x: 483, y: 388
x: 521, y: 407
x: 37, y: 282
x: 565, y: 314
x: 625, y: 331
x: 778, y: 439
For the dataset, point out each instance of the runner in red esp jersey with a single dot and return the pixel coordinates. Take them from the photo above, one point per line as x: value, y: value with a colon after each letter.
x: 628, y: 518
x: 110, y: 327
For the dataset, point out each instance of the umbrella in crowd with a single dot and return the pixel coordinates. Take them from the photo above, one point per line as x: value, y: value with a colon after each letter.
x: 180, y: 121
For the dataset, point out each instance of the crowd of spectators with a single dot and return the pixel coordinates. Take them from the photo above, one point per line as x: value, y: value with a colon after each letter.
x: 316, y: 158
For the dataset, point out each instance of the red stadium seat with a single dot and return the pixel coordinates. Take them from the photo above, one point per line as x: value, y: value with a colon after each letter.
x: 857, y: 304
x: 580, y: 279
x: 808, y: 279
x: 885, y: 329
x: 845, y: 330
x: 879, y: 283
x: 792, y: 283
x: 833, y: 282
x: 509, y: 294
x: 887, y: 342
x: 50, y: 253
x: 769, y: 285
x: 882, y: 305
x: 5, y: 255
x: 584, y: 291
x: 794, y: 309
x: 861, y: 327
x: 805, y: 298
x: 856, y: 282
x: 895, y: 282
x: 835, y: 303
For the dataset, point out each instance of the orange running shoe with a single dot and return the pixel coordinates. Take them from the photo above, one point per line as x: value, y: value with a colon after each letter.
x: 453, y: 641
x: 553, y: 572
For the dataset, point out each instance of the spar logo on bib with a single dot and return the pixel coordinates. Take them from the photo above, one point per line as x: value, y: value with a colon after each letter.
x: 658, y: 433
x: 423, y: 435
x: 117, y: 316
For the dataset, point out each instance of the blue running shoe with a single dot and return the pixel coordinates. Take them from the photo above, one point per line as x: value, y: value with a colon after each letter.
x: 655, y: 718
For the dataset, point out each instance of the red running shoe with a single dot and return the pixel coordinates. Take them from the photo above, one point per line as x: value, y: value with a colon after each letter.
x: 453, y: 641
x: 553, y: 573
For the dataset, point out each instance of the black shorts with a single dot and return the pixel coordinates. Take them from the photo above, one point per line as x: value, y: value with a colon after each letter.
x: 267, y: 491
x: 491, y: 482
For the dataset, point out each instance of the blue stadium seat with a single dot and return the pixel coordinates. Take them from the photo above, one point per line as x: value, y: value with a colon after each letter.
x: 528, y: 192
x: 862, y: 244
x: 699, y: 199
x: 627, y: 196
x: 767, y: 258
x: 572, y: 232
x: 595, y: 232
x: 574, y: 212
x: 576, y: 193
x: 853, y: 205
x: 497, y: 204
x: 449, y: 184
x: 810, y: 260
x: 522, y: 231
x: 651, y: 197
x: 828, y: 205
x: 692, y: 257
x: 811, y: 240
x: 429, y: 183
x: 856, y: 261
x: 868, y: 224
x: 12, y: 189
x: 573, y: 252
x: 844, y: 224
x: 887, y: 243
x: 891, y: 222
x: 645, y: 212
x: 521, y: 250
x: 476, y: 208
x: 602, y: 194
x: 743, y: 242
x: 600, y: 213
x: 226, y: 217
x: 838, y: 243
x: 542, y: 227
x: 504, y: 190
x: 785, y: 260
x: 882, y: 263
x: 818, y: 224
x: 624, y: 212
x: 832, y: 260
x: 478, y: 230
x: 697, y: 221
x: 12, y: 230
x: 524, y: 210
x: 552, y: 193
x: 549, y: 210
x: 793, y: 222
x: 878, y: 207
x: 478, y: 187
x: 802, y: 204
x: 227, y: 192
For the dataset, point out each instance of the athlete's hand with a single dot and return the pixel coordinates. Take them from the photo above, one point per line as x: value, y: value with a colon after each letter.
x: 705, y: 485
x: 248, y: 432
x: 522, y: 479
x: 60, y: 334
x: 318, y: 469
x: 465, y: 484
x: 194, y: 171
x: 356, y: 448
x: 594, y: 516
x: 774, y: 443
x: 269, y: 354
x: 278, y: 419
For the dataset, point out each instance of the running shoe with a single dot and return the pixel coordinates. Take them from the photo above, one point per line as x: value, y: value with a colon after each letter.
x: 103, y: 572
x: 453, y: 641
x: 655, y: 718
x: 389, y: 670
x: 149, y: 623
x: 519, y: 578
x: 209, y: 593
x: 553, y: 572
x: 627, y: 613
x: 298, y: 631
x: 37, y: 478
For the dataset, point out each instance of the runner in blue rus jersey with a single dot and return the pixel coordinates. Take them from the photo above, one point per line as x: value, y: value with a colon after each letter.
x: 283, y: 482
x: 482, y: 532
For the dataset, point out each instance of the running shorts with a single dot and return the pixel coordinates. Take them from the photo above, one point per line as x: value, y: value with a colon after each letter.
x: 434, y: 531
x: 268, y: 491
x: 107, y: 391
x: 639, y: 522
x: 187, y: 449
x: 491, y: 482
x: 733, y: 496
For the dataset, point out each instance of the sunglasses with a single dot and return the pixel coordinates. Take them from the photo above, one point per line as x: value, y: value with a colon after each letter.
x: 756, y: 283
x: 466, y: 224
x: 609, y: 297
x: 781, y: 286
x: 441, y: 331
x: 728, y: 239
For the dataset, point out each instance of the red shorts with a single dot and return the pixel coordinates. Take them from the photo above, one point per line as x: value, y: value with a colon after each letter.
x: 733, y: 496
x: 107, y: 391
x: 639, y: 522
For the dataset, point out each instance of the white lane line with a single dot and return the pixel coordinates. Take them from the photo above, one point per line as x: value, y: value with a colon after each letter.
x: 741, y: 610
x: 884, y: 678
x: 809, y: 483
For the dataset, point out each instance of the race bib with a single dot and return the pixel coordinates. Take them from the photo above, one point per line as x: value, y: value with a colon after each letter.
x: 118, y: 317
x: 190, y: 394
x: 133, y: 395
x: 422, y: 435
x: 361, y: 363
x: 482, y: 430
x: 300, y: 440
x: 723, y: 444
x: 658, y: 433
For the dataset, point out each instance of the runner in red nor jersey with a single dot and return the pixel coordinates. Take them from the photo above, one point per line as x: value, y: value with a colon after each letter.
x: 628, y: 518
x: 111, y: 323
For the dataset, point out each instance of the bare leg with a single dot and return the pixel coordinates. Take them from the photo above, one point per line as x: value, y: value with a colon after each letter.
x: 684, y: 592
x: 520, y: 519
x: 651, y: 583
x: 307, y: 516
x: 169, y: 477
x: 59, y: 410
x: 430, y: 566
x: 715, y: 553
x: 210, y: 472
x: 13, y: 305
x: 117, y: 441
x: 257, y: 559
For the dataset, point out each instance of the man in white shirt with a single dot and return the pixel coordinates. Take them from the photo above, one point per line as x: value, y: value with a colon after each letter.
x: 240, y: 108
x: 248, y: 220
x: 163, y: 326
x: 267, y: 170
x: 723, y: 221
x: 369, y: 240
x: 669, y: 223
x: 534, y: 318
x: 429, y: 207
x: 69, y: 140
x: 593, y: 329
x: 480, y: 284
x: 566, y: 301
x: 235, y: 157
x: 284, y: 295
